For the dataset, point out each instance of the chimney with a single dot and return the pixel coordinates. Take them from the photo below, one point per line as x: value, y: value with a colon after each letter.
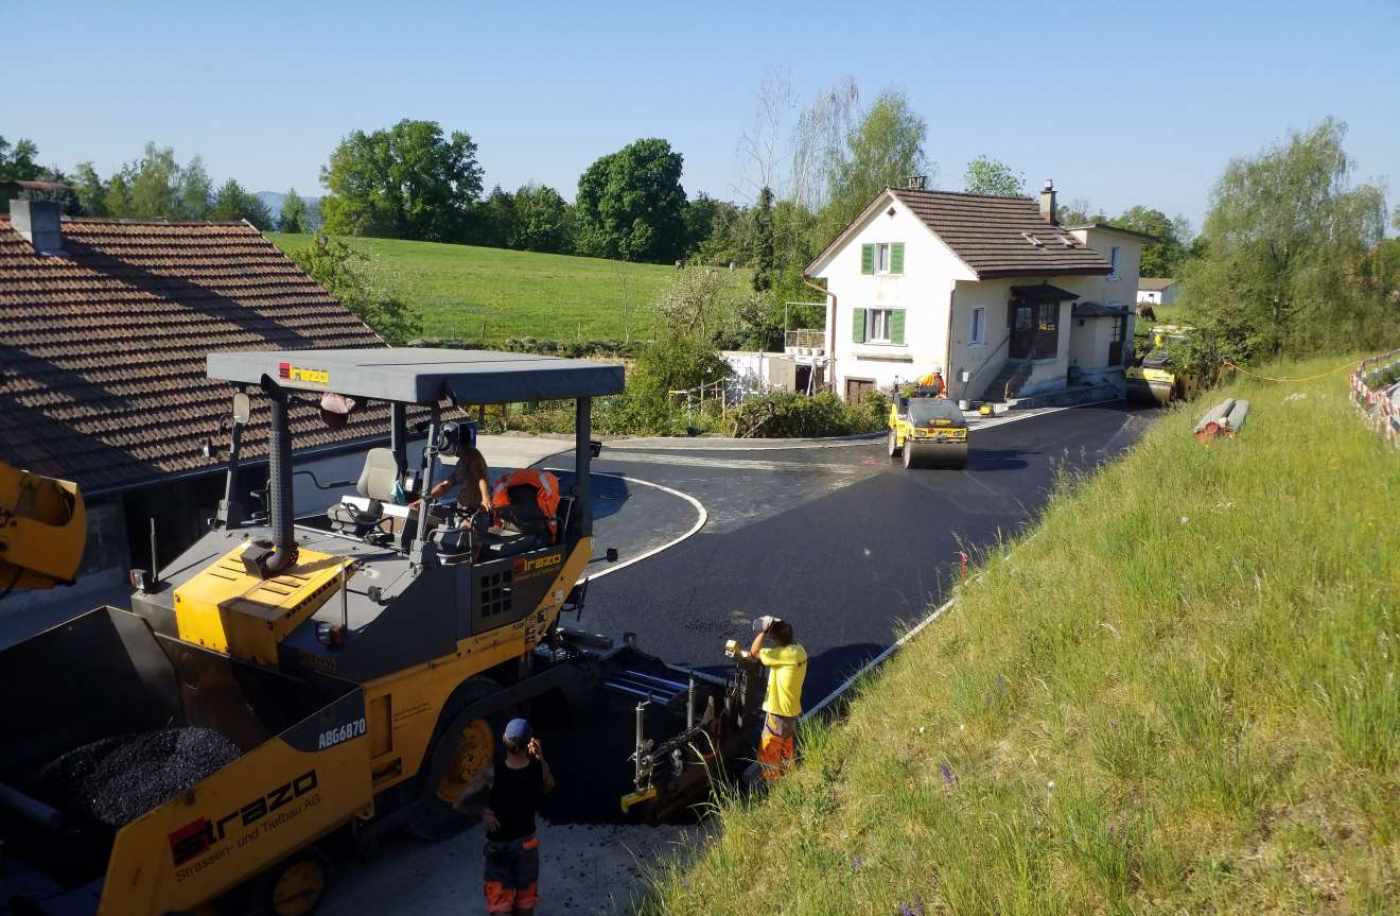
x: 38, y: 221
x: 916, y: 182
x: 1047, y: 203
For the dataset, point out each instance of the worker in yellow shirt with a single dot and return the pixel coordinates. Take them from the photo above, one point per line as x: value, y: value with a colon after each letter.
x: 786, y: 662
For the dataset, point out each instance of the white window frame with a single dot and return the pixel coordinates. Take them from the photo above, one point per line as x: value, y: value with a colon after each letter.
x: 1113, y: 262
x: 873, y: 320
x: 882, y: 258
x: 977, y: 334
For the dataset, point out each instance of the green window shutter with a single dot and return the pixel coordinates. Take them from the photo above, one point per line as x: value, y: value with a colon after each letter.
x: 897, y: 258
x: 858, y: 325
x: 867, y: 259
x: 897, y: 327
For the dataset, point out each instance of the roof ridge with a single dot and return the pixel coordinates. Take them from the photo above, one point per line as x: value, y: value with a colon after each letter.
x: 1021, y: 197
x: 148, y: 221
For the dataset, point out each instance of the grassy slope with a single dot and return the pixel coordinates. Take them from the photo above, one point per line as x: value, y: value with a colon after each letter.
x: 461, y: 290
x: 1181, y: 696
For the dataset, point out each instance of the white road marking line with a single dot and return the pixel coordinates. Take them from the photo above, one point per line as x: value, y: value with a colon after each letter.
x: 732, y: 464
x: 890, y: 650
x: 702, y: 517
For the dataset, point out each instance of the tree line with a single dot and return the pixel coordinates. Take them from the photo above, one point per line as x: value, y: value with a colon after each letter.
x: 1292, y: 254
x: 153, y: 186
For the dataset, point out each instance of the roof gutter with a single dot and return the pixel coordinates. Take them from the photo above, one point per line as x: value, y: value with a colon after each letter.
x: 830, y: 332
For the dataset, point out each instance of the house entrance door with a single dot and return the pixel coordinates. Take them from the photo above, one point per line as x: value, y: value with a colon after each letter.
x: 1115, y: 344
x: 1021, y: 323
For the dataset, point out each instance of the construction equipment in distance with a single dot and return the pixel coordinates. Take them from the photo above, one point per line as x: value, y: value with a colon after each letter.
x: 362, y: 660
x: 1153, y: 378
x: 928, y: 431
x: 43, y: 530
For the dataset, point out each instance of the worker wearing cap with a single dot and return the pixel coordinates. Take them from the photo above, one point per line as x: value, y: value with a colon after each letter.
x: 786, y: 662
x: 512, y: 851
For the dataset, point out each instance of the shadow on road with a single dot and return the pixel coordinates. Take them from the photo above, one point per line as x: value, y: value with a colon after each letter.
x: 998, y: 459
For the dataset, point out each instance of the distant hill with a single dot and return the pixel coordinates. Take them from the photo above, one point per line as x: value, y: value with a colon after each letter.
x: 273, y: 200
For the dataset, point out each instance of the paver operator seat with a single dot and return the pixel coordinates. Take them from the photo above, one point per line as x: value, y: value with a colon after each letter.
x: 378, y: 481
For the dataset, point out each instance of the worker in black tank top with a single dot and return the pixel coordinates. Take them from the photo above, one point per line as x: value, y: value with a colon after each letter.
x: 512, y: 849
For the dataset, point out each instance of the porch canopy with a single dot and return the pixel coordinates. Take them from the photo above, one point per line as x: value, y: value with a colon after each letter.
x: 1042, y: 293
x: 1096, y: 310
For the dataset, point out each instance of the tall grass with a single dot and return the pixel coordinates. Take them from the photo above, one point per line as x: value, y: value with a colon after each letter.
x: 1180, y: 697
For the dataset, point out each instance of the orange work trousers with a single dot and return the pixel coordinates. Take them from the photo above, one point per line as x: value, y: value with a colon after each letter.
x: 777, y: 749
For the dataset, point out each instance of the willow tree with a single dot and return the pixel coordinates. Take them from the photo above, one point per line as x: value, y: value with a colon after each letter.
x: 1284, y: 239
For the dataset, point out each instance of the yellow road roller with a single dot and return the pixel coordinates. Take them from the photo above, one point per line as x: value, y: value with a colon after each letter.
x: 927, y: 431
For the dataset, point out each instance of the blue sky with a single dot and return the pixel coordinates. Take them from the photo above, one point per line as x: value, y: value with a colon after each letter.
x: 1120, y: 102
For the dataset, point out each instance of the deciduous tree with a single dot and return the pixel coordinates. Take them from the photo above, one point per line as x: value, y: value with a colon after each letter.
x: 234, y: 203
x: 19, y: 162
x: 293, y: 215
x: 91, y: 190
x: 409, y: 181
x: 1164, y: 257
x: 341, y: 271
x: 985, y: 175
x: 631, y: 204
x: 882, y: 151
x: 1285, y: 237
x: 763, y: 250
x: 194, y: 191
x: 543, y: 220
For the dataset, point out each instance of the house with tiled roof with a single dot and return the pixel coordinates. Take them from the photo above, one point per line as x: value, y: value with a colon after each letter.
x: 992, y: 292
x: 104, y: 329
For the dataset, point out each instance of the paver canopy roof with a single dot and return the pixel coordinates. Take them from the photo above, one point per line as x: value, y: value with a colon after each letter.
x: 102, y: 347
x: 424, y: 375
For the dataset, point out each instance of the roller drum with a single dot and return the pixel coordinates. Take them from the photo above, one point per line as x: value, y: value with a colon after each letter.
x: 950, y: 455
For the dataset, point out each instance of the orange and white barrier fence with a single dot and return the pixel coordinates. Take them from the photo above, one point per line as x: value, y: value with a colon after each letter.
x: 1375, y: 389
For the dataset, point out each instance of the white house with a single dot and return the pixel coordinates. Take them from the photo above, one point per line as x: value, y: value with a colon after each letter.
x: 993, y: 287
x: 1158, y: 290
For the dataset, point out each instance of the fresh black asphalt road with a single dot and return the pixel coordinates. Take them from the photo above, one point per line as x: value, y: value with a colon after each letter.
x: 843, y: 542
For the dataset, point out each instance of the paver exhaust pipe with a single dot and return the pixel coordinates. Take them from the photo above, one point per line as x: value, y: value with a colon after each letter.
x: 272, y: 558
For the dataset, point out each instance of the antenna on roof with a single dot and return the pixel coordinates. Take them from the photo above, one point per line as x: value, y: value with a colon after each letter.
x: 916, y: 182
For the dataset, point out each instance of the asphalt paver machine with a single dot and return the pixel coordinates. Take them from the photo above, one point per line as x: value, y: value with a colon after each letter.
x: 291, y: 682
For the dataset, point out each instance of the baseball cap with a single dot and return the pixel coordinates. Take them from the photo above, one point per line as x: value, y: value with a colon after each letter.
x: 517, y: 731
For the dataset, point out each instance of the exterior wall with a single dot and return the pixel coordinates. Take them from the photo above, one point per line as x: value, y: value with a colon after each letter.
x: 1159, y: 296
x: 1089, y: 339
x: 1123, y: 290
x: 924, y: 291
x: 756, y: 371
x: 986, y: 360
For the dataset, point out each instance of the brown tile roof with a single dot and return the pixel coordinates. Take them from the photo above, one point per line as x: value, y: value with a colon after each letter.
x: 992, y: 235
x: 102, y: 348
